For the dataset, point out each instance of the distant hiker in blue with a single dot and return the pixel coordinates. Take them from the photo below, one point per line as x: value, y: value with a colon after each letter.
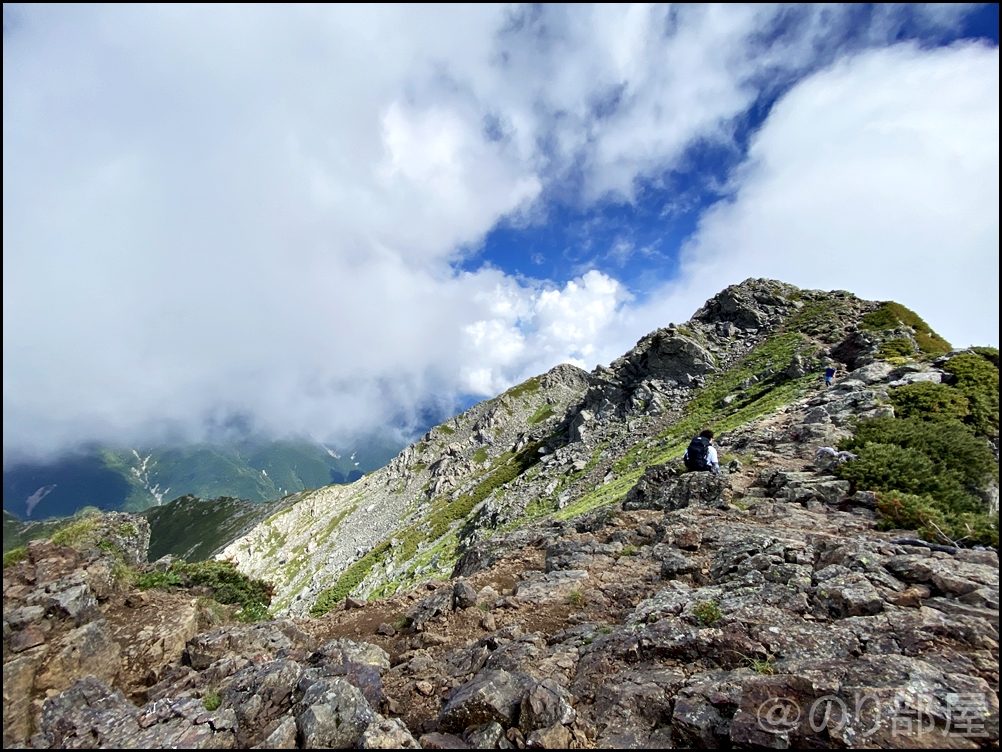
x: 701, y: 455
x: 829, y: 375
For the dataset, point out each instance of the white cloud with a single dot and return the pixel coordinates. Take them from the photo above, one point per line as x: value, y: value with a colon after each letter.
x: 879, y: 176
x: 213, y: 211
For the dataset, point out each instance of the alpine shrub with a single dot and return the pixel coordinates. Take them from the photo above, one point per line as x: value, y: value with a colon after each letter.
x: 976, y: 376
x: 891, y: 315
x: 949, y: 445
x: 228, y: 585
x: 896, y: 348
x: 928, y: 475
x: 928, y: 401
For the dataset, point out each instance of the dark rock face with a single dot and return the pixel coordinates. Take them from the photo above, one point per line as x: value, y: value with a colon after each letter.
x: 494, y: 696
x: 660, y: 487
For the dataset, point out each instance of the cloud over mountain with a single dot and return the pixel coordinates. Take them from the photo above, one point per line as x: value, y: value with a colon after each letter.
x: 258, y: 212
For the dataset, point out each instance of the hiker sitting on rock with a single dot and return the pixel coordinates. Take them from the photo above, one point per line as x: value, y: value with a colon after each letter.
x: 701, y: 454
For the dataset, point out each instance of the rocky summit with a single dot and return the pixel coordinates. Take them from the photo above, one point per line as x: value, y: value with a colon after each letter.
x: 541, y: 571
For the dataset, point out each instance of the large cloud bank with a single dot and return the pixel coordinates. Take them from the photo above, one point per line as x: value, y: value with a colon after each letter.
x: 214, y: 212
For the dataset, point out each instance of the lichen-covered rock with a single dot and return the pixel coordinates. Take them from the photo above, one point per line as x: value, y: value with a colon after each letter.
x: 268, y: 639
x: 389, y: 733
x: 546, y: 704
x: 491, y: 696
x: 344, y: 651
x: 660, y: 487
x: 332, y: 714
x: 89, y: 650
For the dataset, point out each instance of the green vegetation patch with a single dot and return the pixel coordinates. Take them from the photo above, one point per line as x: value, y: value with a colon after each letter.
x: 77, y: 532
x: 545, y: 412
x: 896, y: 348
x: 15, y: 556
x: 228, y: 585
x: 211, y: 700
x: 707, y: 612
x: 927, y: 401
x: 976, y: 376
x: 927, y: 474
x: 529, y: 386
x: 891, y: 315
x: 349, y: 580
x: 480, y: 455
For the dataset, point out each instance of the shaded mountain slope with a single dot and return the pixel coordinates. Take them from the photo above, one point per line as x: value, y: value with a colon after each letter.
x: 136, y: 479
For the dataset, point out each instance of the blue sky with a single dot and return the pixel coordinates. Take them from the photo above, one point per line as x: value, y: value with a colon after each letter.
x: 329, y: 220
x: 638, y: 241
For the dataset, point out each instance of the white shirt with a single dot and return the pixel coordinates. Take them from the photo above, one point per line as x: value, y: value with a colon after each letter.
x: 711, y: 457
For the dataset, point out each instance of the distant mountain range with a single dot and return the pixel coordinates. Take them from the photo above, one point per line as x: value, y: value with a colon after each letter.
x: 135, y: 479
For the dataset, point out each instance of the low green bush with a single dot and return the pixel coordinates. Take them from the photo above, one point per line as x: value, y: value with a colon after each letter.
x: 949, y: 445
x: 211, y: 700
x: 928, y: 401
x: 896, y: 348
x: 228, y: 586
x: 976, y: 376
x: 159, y: 580
x: 924, y: 514
x: 891, y: 315
x: 928, y: 475
x: 707, y: 612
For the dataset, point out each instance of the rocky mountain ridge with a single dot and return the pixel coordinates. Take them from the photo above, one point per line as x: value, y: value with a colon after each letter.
x: 565, y: 440
x: 543, y: 573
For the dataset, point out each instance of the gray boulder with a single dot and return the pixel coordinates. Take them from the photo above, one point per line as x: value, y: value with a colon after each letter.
x: 545, y: 705
x: 389, y: 733
x: 332, y: 714
x: 463, y: 594
x: 491, y: 696
x: 660, y: 488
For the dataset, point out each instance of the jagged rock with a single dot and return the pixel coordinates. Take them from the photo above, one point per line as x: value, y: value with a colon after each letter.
x: 87, y: 650
x: 436, y: 740
x: 343, y: 651
x: 491, y: 696
x: 552, y: 587
x: 389, y: 733
x: 332, y: 714
x: 851, y: 594
x: 485, y: 736
x: 18, y: 681
x: 30, y: 637
x: 872, y: 373
x: 88, y: 714
x: 552, y: 737
x: 428, y: 608
x: 660, y: 488
x: 464, y: 595
x: 267, y: 638
x: 91, y: 714
x: 259, y: 695
x: 674, y: 564
x: 282, y: 737
x: 544, y: 705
